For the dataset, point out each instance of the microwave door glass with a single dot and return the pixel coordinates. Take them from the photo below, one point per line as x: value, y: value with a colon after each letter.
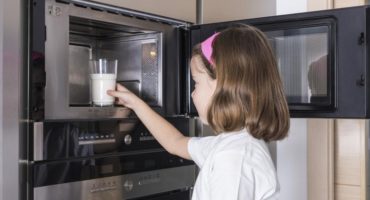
x: 303, y: 64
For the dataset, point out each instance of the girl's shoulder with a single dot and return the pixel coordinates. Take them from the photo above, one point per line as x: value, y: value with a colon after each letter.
x: 253, y: 152
x: 251, y: 158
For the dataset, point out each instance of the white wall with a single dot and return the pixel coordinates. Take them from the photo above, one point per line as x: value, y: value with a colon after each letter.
x: 291, y: 162
x: 289, y: 6
x: 292, y: 152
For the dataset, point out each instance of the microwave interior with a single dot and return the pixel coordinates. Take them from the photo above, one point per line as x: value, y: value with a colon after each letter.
x: 138, y: 52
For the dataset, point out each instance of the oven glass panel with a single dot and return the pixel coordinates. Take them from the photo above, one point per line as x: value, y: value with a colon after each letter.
x: 302, y: 57
x: 137, y: 51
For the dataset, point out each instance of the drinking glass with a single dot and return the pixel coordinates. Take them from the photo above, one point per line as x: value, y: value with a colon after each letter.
x: 103, y: 78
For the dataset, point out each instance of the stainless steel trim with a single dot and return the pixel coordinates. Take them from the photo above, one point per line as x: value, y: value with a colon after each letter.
x: 199, y: 11
x: 128, y: 139
x: 121, y: 187
x: 38, y: 141
x: 104, y: 141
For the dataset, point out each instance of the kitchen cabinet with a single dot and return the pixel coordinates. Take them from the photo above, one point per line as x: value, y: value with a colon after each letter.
x: 320, y: 159
x: 213, y: 10
x: 348, y: 3
x: 351, y: 152
x: 228, y: 10
x: 329, y: 4
x: 178, y: 9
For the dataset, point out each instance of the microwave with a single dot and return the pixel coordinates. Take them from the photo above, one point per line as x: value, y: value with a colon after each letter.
x: 322, y: 58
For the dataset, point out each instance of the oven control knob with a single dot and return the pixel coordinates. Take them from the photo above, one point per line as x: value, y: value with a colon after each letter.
x: 128, y: 185
x: 128, y: 139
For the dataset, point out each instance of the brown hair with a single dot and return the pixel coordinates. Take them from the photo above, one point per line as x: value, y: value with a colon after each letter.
x: 249, y: 91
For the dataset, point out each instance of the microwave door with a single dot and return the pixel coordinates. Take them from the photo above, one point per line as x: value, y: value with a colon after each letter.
x: 305, y: 55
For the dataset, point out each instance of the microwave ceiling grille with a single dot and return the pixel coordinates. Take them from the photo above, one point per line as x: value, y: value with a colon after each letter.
x: 126, y: 12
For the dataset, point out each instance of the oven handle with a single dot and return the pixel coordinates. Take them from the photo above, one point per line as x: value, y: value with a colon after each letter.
x: 38, y: 141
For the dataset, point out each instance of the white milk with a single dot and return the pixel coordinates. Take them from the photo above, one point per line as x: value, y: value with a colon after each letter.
x: 100, y: 84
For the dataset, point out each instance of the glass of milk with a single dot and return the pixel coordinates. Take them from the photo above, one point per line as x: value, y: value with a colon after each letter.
x: 103, y: 78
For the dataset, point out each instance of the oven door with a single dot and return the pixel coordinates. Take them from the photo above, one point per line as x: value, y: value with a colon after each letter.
x: 113, y: 177
x: 174, y: 195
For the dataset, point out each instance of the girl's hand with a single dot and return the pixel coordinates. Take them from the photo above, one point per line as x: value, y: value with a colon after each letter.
x: 125, y: 97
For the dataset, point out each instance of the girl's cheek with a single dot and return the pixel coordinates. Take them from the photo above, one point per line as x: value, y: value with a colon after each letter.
x: 193, y: 95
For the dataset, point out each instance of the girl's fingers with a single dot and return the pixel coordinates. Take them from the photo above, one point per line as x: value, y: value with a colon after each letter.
x: 121, y: 88
x: 115, y: 93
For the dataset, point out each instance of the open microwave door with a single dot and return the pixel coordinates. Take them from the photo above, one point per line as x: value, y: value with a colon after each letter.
x: 305, y: 46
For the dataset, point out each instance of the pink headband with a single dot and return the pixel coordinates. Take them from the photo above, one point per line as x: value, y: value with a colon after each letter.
x: 207, y: 48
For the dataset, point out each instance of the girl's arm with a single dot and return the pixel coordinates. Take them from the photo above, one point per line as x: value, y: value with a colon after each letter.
x: 166, y: 134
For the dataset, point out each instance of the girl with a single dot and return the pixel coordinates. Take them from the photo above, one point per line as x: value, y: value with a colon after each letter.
x: 238, y: 92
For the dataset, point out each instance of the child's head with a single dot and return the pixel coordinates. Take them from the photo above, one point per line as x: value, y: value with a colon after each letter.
x: 238, y: 84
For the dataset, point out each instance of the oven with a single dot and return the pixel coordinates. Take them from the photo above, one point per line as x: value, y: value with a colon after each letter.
x: 115, y: 177
x: 111, y: 159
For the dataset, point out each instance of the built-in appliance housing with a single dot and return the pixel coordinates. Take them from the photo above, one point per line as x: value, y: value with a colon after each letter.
x: 115, y: 159
x: 76, y: 150
x: 322, y: 58
x: 67, y: 35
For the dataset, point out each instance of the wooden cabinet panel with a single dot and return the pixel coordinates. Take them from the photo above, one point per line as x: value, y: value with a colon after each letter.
x: 351, y: 158
x: 348, y: 3
x: 320, y: 159
x: 183, y: 10
x: 347, y: 151
x: 313, y: 5
x: 227, y: 10
x: 347, y: 192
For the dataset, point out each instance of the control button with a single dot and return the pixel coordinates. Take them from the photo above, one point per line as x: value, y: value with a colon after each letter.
x: 128, y: 139
x: 128, y: 185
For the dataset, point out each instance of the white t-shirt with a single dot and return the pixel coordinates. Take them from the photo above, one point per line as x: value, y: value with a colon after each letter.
x: 233, y: 166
